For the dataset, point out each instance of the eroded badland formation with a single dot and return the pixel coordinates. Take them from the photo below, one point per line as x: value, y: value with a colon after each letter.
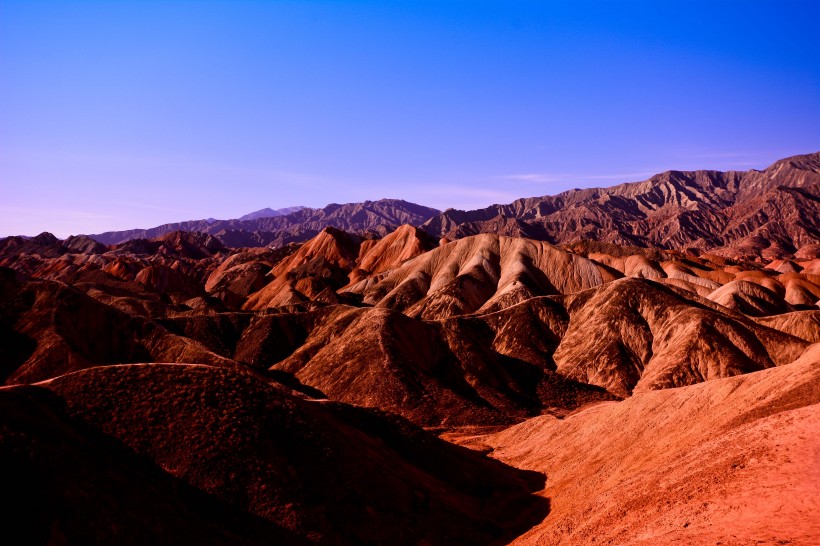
x: 631, y: 365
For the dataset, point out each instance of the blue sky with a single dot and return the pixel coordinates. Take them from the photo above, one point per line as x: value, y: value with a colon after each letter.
x: 117, y: 115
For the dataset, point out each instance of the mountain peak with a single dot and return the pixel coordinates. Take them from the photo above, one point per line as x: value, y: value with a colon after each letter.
x: 268, y: 212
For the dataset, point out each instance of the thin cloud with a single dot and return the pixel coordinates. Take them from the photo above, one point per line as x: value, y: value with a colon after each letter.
x: 718, y: 155
x: 466, y: 191
x: 640, y: 174
x: 540, y: 178
x: 460, y: 197
x: 160, y: 208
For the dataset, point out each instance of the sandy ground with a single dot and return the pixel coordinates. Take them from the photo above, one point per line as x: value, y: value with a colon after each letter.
x: 732, y: 461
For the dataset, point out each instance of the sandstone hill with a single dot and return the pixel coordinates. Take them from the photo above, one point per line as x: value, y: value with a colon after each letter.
x: 485, y: 330
x: 603, y: 389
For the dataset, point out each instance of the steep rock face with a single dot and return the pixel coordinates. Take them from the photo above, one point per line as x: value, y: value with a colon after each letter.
x: 801, y: 289
x: 627, y: 335
x: 381, y: 358
x: 730, y: 461
x: 754, y: 214
x: 482, y: 273
x: 802, y: 324
x: 244, y: 273
x: 319, y: 269
x: 51, y: 329
x: 320, y: 266
x: 750, y: 299
x: 634, y: 334
x: 514, y: 359
x: 331, y: 473
x: 480, y: 370
x: 391, y: 251
x: 507, y: 356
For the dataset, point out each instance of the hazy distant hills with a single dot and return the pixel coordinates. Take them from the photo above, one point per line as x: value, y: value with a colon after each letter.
x: 290, y: 225
x: 767, y: 214
x: 268, y: 212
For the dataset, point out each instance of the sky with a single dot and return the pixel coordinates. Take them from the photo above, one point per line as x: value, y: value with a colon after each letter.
x: 118, y: 115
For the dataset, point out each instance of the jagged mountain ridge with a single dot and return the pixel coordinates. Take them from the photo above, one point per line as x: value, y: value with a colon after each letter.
x: 753, y: 214
x: 739, y: 214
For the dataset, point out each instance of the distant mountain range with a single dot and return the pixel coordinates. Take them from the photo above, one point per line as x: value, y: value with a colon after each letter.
x: 750, y: 215
x: 770, y: 213
x: 281, y: 228
x: 268, y: 212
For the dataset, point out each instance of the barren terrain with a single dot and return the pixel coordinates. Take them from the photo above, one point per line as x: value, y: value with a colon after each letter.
x: 631, y: 365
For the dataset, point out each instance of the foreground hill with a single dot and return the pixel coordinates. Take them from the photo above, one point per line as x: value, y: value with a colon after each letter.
x: 328, y: 473
x: 732, y: 461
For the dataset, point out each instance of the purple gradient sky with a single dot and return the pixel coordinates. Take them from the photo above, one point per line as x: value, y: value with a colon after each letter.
x: 117, y: 115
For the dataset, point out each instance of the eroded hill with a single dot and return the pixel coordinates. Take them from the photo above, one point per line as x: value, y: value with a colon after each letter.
x: 300, y: 394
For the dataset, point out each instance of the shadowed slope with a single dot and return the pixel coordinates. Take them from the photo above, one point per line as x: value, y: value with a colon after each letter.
x: 50, y: 329
x: 486, y: 369
x: 334, y: 474
x: 65, y: 482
